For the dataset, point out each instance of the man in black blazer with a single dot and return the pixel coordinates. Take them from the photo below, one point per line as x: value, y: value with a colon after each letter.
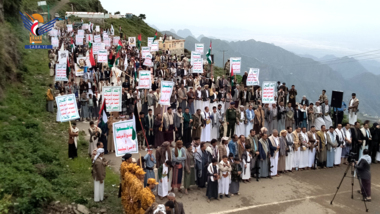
x: 357, y: 139
x: 298, y: 116
x: 148, y: 126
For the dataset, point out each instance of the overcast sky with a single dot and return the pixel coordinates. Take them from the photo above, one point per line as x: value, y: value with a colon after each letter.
x: 317, y: 27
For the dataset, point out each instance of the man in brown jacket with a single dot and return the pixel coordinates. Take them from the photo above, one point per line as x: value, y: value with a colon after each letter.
x: 99, y: 165
x: 197, y: 124
x: 182, y: 97
x: 312, y: 135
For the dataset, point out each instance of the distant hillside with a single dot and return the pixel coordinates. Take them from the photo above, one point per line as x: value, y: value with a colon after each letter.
x: 169, y: 33
x: 278, y: 64
x: 346, y: 66
x: 185, y: 33
x: 372, y: 66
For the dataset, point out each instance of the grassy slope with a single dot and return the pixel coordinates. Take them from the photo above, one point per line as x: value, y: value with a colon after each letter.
x: 35, y: 168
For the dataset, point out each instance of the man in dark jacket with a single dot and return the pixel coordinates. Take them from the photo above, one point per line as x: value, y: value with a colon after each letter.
x: 298, y: 116
x: 363, y: 168
x: 178, y: 206
x: 356, y: 135
x: 374, y: 146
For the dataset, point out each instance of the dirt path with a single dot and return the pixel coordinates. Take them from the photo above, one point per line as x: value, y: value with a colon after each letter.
x: 57, y: 7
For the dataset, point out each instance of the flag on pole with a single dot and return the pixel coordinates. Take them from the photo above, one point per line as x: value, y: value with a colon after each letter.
x: 163, y: 41
x: 92, y: 60
x: 102, y: 113
x: 117, y: 58
x: 139, y: 41
x: 119, y: 45
x: 208, y: 55
x: 68, y: 68
x: 232, y: 75
x: 155, y: 36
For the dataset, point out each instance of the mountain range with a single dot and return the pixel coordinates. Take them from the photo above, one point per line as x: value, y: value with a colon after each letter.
x: 309, y: 74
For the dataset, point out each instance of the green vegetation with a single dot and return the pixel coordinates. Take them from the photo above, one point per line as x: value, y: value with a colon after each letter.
x: 218, y: 71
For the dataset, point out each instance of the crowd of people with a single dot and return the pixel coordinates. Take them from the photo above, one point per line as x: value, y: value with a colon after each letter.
x: 215, y: 134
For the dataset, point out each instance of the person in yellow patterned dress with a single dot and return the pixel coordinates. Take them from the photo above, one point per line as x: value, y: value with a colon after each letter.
x: 147, y: 196
x: 137, y: 186
x: 126, y: 193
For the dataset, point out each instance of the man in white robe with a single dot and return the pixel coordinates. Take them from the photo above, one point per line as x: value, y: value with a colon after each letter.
x: 326, y: 114
x: 241, y: 121
x: 312, y: 135
x: 250, y: 117
x: 353, y: 109
x: 215, y: 123
x: 246, y: 160
x: 198, y: 99
x: 318, y: 122
x: 338, y: 151
x: 289, y: 157
x: 206, y: 130
x: 275, y: 140
x: 304, y: 151
x: 205, y: 97
x: 225, y: 177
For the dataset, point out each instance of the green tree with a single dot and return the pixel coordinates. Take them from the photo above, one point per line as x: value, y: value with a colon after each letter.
x: 142, y: 16
x: 117, y: 12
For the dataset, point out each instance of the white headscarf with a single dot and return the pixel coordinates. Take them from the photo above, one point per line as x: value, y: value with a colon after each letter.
x: 160, y: 208
x: 98, y: 152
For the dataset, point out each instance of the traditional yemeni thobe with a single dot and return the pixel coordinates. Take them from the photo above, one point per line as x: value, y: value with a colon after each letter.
x: 225, y: 177
x: 250, y: 116
x: 338, y: 151
x: 206, y: 130
x: 212, y: 182
x: 327, y: 118
x: 304, y: 152
x: 163, y: 178
x: 289, y: 155
x: 352, y: 116
x: 274, y: 159
x: 263, y: 157
x: 240, y: 128
x: 331, y: 138
x: 313, y: 148
x: 318, y: 122
x: 215, y: 125
x: 206, y: 99
x: 198, y: 100
x: 246, y: 160
x: 296, y: 152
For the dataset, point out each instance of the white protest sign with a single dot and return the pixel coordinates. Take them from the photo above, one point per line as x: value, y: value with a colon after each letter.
x: 97, y: 28
x: 112, y: 95
x: 148, y: 60
x: 85, y: 26
x: 62, y: 57
x: 97, y: 47
x: 78, y: 40
x: 60, y: 72
x: 81, y: 33
x: 89, y: 37
x: 196, y: 62
x: 97, y: 39
x: 67, y: 108
x: 102, y: 56
x: 54, y: 41
x: 150, y: 41
x: 69, y: 28
x: 144, y: 51
x: 166, y: 92
x: 154, y: 46
x: 268, y: 93
x: 115, y: 40
x: 253, y: 77
x: 124, y: 137
x: 105, y: 35
x: 199, y: 47
x: 144, y: 80
x: 107, y: 42
x: 132, y: 41
x: 235, y: 65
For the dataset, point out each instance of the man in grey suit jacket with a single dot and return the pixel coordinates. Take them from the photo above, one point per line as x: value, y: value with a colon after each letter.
x: 178, y: 206
x: 178, y: 124
x: 182, y: 97
x: 236, y: 97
